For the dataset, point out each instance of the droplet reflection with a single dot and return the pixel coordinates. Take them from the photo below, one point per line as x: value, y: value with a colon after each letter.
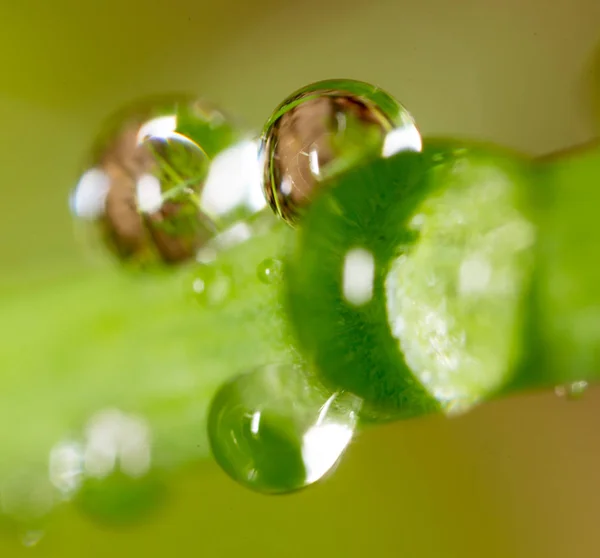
x: 119, y: 485
x: 572, y: 391
x: 274, y: 431
x: 323, y: 130
x: 270, y: 270
x: 142, y: 188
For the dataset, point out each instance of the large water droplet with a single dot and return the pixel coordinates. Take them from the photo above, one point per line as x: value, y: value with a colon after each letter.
x: 275, y: 431
x: 144, y: 180
x: 572, y: 391
x: 270, y: 270
x: 324, y: 129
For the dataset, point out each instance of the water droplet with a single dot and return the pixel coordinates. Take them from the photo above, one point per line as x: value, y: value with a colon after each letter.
x: 65, y: 467
x: 120, y: 498
x: 211, y: 284
x: 572, y: 391
x: 270, y: 270
x: 274, y: 431
x: 141, y: 190
x: 119, y: 485
x: 323, y: 130
x: 32, y: 537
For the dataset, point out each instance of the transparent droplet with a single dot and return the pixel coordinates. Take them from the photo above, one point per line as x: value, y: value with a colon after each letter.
x: 323, y: 130
x: 211, y: 284
x: 275, y: 431
x: 270, y: 270
x: 65, y: 467
x: 572, y: 391
x: 32, y: 537
x: 119, y: 484
x: 141, y: 191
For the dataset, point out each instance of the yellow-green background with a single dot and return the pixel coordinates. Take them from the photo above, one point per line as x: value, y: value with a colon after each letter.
x: 517, y: 478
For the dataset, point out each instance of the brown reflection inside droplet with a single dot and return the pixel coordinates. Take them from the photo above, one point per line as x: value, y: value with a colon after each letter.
x: 302, y: 144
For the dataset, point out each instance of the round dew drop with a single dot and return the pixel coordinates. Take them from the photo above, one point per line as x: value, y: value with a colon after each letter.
x: 141, y: 189
x: 273, y: 431
x: 324, y: 129
x: 572, y: 391
x: 270, y: 271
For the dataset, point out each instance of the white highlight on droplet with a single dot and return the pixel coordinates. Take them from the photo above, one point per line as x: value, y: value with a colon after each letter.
x: 255, y: 423
x: 322, y: 446
x: 234, y: 235
x: 65, y: 467
x: 233, y: 180
x: 149, y: 194
x: 313, y: 161
x: 286, y: 186
x: 405, y: 138
x: 114, y: 437
x: 474, y: 275
x: 32, y: 537
x: 89, y: 197
x: 358, y: 276
x: 161, y: 127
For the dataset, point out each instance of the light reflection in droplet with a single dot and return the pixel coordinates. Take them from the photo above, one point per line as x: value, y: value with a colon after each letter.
x: 65, y: 467
x: 358, y: 276
x: 234, y: 181
x: 32, y: 537
x: 572, y: 391
x: 116, y: 439
x: 274, y: 430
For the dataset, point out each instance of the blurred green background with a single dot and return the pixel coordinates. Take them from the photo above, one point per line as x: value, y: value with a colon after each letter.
x: 516, y: 478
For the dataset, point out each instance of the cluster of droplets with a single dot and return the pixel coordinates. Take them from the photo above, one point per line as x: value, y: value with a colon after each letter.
x: 169, y: 181
x: 106, y: 471
x: 168, y: 175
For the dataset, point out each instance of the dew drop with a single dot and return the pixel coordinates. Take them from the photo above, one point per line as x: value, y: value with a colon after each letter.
x: 572, y: 391
x: 32, y: 537
x: 324, y: 129
x: 274, y: 431
x: 211, y: 284
x: 119, y: 485
x: 140, y: 195
x: 270, y: 270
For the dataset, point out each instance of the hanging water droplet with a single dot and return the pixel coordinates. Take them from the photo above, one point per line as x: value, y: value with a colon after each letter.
x: 274, y: 431
x: 141, y: 190
x: 572, y: 391
x: 212, y: 284
x: 270, y: 270
x: 120, y: 485
x: 324, y: 129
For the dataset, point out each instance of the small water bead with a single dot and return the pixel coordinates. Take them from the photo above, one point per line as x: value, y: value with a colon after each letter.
x: 145, y: 177
x: 274, y: 431
x: 572, y: 391
x: 324, y: 129
x: 211, y: 284
x: 32, y: 537
x: 270, y: 270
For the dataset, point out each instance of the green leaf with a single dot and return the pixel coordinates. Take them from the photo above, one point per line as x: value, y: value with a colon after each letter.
x: 156, y: 347
x: 143, y: 344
